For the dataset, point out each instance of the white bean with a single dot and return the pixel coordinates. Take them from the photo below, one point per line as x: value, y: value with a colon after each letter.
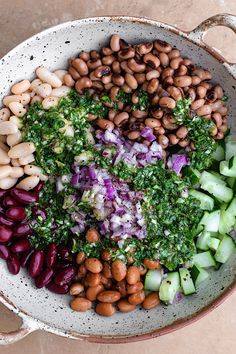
x: 43, y: 90
x: 26, y: 160
x: 15, y: 162
x: 17, y: 121
x: 36, y: 99
x: 16, y: 172
x: 14, y: 139
x: 8, y: 128
x: 3, y: 138
x: 28, y: 183
x: 34, y: 84
x: 4, y: 158
x: 61, y: 91
x: 32, y: 170
x: 4, y: 114
x: 24, y: 99
x: 21, y: 150
x: 49, y: 102
x: 20, y: 87
x: 61, y: 73
x: 47, y: 76
x: 5, y: 171
x: 7, y: 183
x: 17, y: 109
x: 4, y: 147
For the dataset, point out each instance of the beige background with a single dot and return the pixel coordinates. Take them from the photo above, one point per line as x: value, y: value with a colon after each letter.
x: 214, y: 334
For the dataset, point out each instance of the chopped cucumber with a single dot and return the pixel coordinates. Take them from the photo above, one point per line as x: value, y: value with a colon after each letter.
x: 213, y: 243
x: 227, y: 219
x: 225, y: 249
x: 192, y: 174
x: 232, y: 183
x: 186, y: 281
x: 230, y: 147
x: 199, y: 274
x: 202, y: 241
x: 204, y: 259
x: 211, y: 221
x: 226, y: 169
x: 153, y: 280
x: 232, y: 207
x: 207, y: 177
x: 169, y: 287
x: 219, y: 191
x: 219, y: 153
x: 198, y: 230
x: 206, y: 202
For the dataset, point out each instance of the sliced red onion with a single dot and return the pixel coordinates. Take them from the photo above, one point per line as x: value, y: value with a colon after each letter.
x: 177, y: 162
x: 147, y: 133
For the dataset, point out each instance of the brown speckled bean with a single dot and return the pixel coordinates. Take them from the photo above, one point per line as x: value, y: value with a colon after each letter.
x: 152, y: 122
x: 76, y: 289
x: 162, y: 46
x: 136, y: 298
x: 93, y: 291
x: 119, y: 270
x: 109, y: 296
x: 124, y: 306
x: 93, y: 265
x: 167, y: 102
x: 105, y: 309
x: 134, y: 288
x: 80, y: 66
x: 151, y: 60
x: 133, y: 275
x: 173, y: 139
x: 80, y: 304
x: 131, y: 81
x: 151, y: 300
x: 151, y: 264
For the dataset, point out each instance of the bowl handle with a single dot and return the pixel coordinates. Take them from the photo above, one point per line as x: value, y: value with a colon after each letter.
x: 26, y: 328
x: 197, y: 35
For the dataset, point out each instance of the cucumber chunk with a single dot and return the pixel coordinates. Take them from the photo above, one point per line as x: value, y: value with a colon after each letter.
x: 206, y: 202
x: 169, y: 287
x: 232, y: 207
x: 186, y: 281
x: 211, y: 221
x: 227, y: 219
x: 232, y: 183
x: 207, y: 177
x: 219, y: 191
x: 213, y: 243
x: 202, y: 241
x: 153, y: 280
x: 204, y: 259
x: 219, y: 153
x: 198, y: 275
x: 230, y: 147
x: 226, y: 170
x: 225, y: 249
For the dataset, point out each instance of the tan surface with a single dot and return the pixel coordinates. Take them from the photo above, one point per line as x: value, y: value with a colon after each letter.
x: 214, y: 334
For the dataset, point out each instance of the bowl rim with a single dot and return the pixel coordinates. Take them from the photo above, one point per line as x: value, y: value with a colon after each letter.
x: 35, y: 324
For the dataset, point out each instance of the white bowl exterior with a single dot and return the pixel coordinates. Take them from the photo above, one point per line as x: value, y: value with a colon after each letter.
x: 52, y: 48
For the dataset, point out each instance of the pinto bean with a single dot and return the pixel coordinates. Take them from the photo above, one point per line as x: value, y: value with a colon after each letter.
x: 109, y: 296
x: 201, y: 91
x: 119, y: 270
x: 174, y: 53
x: 93, y: 279
x: 92, y: 235
x: 174, y: 92
x: 152, y: 122
x: 124, y: 306
x: 151, y: 300
x: 136, y: 298
x: 144, y: 48
x: 217, y: 118
x: 93, y: 291
x: 151, y: 264
x: 73, y: 73
x: 76, y: 289
x: 183, y: 81
x: 116, y: 67
x: 105, y: 309
x: 93, y: 265
x: 195, y: 80
x: 184, y: 142
x: 134, y: 288
x: 126, y: 53
x: 133, y: 275
x: 80, y: 304
x: 106, y: 255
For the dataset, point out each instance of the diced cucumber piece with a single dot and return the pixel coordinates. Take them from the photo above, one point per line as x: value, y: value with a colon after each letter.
x: 232, y: 207
x: 225, y: 168
x: 230, y: 147
x: 193, y: 175
x: 198, y: 274
x: 207, y: 177
x: 198, y: 230
x: 202, y: 241
x: 211, y: 221
x: 169, y: 287
x: 227, y: 219
x: 218, y: 175
x: 225, y: 249
x: 204, y: 259
x: 186, y: 281
x: 213, y: 243
x: 232, y: 183
x: 219, y: 153
x: 219, y: 191
x: 206, y: 202
x: 153, y: 280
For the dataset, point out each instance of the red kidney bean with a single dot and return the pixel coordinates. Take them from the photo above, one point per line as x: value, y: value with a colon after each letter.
x: 22, y: 230
x: 58, y: 289
x: 36, y: 263
x: 63, y: 251
x: 13, y: 264
x: 16, y: 213
x: 21, y: 246
x: 37, y: 211
x: 4, y: 252
x: 8, y: 202
x: 44, y: 278
x: 25, y: 258
x: 5, y: 221
x: 64, y: 276
x: 61, y: 265
x: 23, y: 196
x: 39, y: 187
x: 3, y: 193
x: 5, y: 233
x: 51, y: 255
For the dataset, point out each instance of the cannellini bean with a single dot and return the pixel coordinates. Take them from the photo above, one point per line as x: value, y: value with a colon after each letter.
x: 17, y: 109
x: 7, y: 183
x: 3, y: 138
x: 16, y: 172
x: 32, y: 170
x: 20, y: 87
x: 17, y: 121
x: 60, y: 91
x: 34, y: 84
x: 46, y: 76
x: 14, y: 139
x: 15, y: 162
x: 28, y: 183
x: 61, y: 73
x: 26, y: 160
x: 5, y: 171
x: 49, y: 102
x: 43, y: 90
x: 24, y: 99
x: 21, y: 150
x: 4, y: 146
x: 8, y: 128
x: 4, y: 114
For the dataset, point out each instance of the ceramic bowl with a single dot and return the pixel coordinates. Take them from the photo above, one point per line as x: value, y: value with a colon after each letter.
x: 41, y: 309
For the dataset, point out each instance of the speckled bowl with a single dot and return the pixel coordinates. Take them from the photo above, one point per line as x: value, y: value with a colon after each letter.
x: 41, y: 309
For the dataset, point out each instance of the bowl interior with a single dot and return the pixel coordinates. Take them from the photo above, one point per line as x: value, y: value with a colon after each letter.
x: 52, y: 48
